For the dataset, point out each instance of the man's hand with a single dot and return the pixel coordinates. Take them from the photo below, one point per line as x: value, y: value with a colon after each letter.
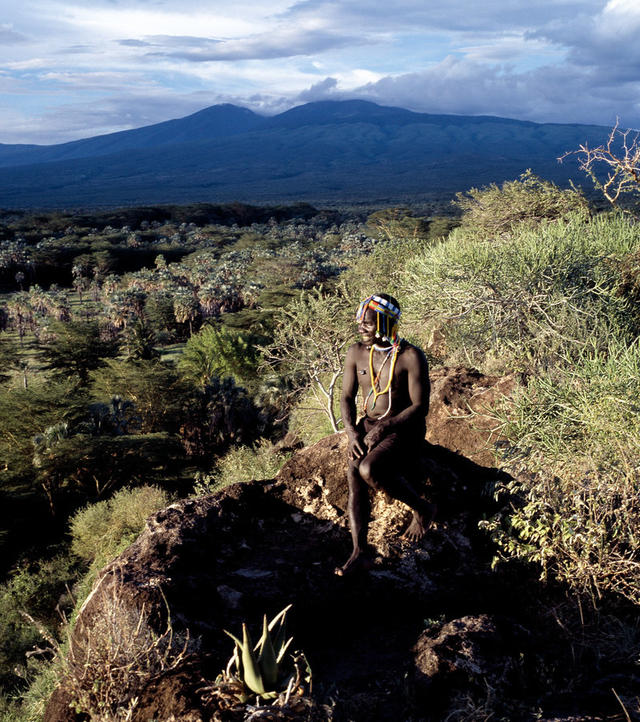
x: 356, y: 448
x: 375, y: 435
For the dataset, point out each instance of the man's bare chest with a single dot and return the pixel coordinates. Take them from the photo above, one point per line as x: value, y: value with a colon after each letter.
x: 381, y: 371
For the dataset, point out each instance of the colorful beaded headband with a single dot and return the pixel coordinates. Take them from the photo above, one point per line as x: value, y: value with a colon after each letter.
x: 387, y: 315
x: 379, y: 305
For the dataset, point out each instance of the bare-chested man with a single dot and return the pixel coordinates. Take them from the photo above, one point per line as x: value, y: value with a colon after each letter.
x: 393, y: 378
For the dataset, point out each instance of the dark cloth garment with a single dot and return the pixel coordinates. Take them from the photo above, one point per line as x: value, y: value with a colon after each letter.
x: 405, y: 438
x: 393, y: 456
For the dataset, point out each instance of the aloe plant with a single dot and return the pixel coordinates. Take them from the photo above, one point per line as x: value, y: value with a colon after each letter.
x: 260, y: 666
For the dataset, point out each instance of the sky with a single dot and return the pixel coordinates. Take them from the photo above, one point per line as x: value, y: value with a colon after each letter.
x: 72, y: 70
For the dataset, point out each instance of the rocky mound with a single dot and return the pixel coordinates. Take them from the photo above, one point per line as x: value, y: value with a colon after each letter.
x: 431, y: 633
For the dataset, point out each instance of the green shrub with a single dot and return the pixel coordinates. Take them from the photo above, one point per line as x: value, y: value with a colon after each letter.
x: 491, y: 211
x: 397, y: 223
x: 218, y: 416
x: 42, y: 677
x: 242, y: 463
x: 578, y: 437
x: 382, y: 271
x: 11, y: 709
x: 308, y: 418
x: 310, y: 343
x: 529, y: 299
x: 99, y: 532
x: 40, y: 589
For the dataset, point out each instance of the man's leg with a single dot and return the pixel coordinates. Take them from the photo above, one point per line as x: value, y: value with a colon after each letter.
x: 423, y: 512
x: 358, y: 509
x: 380, y: 470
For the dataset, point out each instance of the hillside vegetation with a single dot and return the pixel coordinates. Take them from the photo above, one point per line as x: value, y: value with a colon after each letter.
x: 190, y: 369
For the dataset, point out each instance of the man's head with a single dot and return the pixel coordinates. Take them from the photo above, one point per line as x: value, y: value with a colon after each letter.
x: 377, y: 319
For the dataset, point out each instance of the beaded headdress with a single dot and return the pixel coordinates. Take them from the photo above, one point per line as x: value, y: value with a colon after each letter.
x: 387, y: 316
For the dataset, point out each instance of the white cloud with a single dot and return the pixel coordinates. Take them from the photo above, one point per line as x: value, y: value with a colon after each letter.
x: 277, y: 44
x: 77, y: 69
x: 555, y: 93
x: 116, y: 21
x: 8, y: 36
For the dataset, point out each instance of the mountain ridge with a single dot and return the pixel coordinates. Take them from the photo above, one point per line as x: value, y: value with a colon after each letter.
x: 326, y: 150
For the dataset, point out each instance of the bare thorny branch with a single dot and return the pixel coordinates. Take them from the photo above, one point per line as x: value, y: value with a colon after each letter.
x: 620, y: 155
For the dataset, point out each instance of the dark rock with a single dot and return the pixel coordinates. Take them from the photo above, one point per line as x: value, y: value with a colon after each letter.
x: 468, y: 663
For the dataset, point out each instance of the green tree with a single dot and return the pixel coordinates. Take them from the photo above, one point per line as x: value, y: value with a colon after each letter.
x: 310, y: 343
x: 158, y: 311
x: 185, y: 307
x: 138, y: 341
x: 221, y: 352
x: 30, y: 421
x: 93, y: 467
x: 76, y: 349
x: 13, y: 358
x: 24, y: 413
x: 20, y: 313
x: 156, y: 390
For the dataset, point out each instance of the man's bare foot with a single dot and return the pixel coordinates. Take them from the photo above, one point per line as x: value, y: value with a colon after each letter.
x: 357, y: 562
x: 420, y: 523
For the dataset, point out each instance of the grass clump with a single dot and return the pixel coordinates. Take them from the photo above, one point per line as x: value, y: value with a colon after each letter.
x: 530, y: 299
x: 243, y: 463
x: 100, y: 531
x: 577, y: 508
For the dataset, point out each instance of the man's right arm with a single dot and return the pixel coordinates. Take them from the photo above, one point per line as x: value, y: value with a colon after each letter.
x: 348, y: 403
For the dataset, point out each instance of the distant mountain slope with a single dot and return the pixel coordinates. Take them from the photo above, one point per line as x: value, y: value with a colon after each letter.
x: 215, y: 122
x: 331, y: 150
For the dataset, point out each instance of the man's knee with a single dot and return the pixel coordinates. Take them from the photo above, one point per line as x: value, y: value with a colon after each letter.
x: 367, y: 471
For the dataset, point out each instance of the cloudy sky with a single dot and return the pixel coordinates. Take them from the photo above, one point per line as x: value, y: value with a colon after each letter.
x: 72, y: 70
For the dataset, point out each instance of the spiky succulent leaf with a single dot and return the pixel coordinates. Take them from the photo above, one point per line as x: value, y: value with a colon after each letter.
x: 279, y: 625
x: 283, y: 649
x: 279, y: 618
x: 233, y: 636
x: 308, y: 673
x: 267, y: 658
x: 252, y: 677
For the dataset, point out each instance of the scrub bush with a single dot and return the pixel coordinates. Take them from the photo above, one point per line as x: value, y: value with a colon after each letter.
x: 532, y: 298
x: 242, y: 463
x: 576, y: 441
x: 99, y: 532
x: 494, y: 210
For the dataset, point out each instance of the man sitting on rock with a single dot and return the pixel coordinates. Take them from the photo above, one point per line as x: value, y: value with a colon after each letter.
x: 393, y: 378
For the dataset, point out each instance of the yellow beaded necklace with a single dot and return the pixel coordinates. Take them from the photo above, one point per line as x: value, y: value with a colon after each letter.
x: 393, y: 354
